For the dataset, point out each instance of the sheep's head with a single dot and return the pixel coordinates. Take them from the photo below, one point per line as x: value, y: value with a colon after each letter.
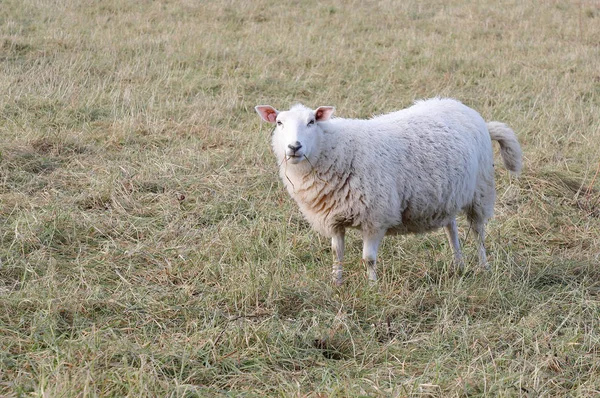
x: 297, y: 132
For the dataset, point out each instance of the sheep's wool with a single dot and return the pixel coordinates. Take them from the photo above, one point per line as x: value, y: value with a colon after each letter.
x: 409, y: 171
x: 406, y: 171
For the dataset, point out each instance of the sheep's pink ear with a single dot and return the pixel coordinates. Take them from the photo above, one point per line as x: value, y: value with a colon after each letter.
x: 268, y: 113
x: 323, y: 113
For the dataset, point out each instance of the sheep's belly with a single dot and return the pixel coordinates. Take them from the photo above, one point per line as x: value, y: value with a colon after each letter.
x: 421, y: 223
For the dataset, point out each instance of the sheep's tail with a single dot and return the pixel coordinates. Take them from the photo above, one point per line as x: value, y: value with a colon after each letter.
x: 510, y: 150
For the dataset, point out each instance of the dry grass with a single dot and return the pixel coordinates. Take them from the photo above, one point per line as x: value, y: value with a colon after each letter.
x: 147, y: 247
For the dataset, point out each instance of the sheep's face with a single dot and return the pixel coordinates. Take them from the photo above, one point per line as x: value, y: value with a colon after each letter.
x: 297, y: 133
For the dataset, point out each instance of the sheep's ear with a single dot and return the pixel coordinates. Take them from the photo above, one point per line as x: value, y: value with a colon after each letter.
x: 323, y: 113
x: 268, y: 113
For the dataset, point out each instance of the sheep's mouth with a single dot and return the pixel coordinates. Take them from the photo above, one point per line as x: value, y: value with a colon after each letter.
x: 295, y: 157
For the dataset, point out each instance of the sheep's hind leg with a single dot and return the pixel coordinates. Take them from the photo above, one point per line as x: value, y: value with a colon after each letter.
x: 477, y: 223
x: 452, y: 234
x: 479, y: 228
x: 371, y: 242
x: 337, y: 245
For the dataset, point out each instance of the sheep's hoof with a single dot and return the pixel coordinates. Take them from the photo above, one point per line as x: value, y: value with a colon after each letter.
x: 337, y: 273
x: 459, y: 264
x: 338, y: 280
x: 371, y: 271
x: 458, y: 267
x: 482, y: 268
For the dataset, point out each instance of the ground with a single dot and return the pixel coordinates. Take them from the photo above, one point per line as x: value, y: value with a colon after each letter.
x: 148, y: 248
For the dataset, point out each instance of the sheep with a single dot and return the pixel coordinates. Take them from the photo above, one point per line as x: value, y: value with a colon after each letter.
x: 410, y: 171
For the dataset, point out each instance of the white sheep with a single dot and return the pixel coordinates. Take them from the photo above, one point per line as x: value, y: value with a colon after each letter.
x: 409, y: 171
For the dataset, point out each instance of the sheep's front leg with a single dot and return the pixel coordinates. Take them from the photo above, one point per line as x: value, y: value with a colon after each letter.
x: 371, y: 242
x: 337, y: 245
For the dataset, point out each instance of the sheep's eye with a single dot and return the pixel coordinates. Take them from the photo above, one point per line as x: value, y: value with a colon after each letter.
x: 311, y: 123
x: 279, y: 123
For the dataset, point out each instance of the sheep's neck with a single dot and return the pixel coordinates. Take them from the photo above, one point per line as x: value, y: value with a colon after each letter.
x: 314, y: 187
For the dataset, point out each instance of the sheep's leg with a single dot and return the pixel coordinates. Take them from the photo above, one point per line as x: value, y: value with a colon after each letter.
x: 371, y: 243
x: 452, y: 234
x: 337, y: 245
x: 479, y: 228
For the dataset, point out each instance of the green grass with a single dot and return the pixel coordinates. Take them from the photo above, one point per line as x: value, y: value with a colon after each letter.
x: 147, y: 247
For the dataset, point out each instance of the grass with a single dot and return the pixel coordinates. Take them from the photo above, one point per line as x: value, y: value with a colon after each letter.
x: 147, y: 247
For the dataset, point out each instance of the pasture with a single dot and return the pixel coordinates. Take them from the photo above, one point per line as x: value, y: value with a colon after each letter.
x: 148, y: 248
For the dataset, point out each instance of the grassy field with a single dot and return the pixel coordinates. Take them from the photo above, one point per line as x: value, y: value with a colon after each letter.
x: 147, y: 247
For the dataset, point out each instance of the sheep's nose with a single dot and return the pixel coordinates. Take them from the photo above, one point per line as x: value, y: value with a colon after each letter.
x: 295, y: 146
